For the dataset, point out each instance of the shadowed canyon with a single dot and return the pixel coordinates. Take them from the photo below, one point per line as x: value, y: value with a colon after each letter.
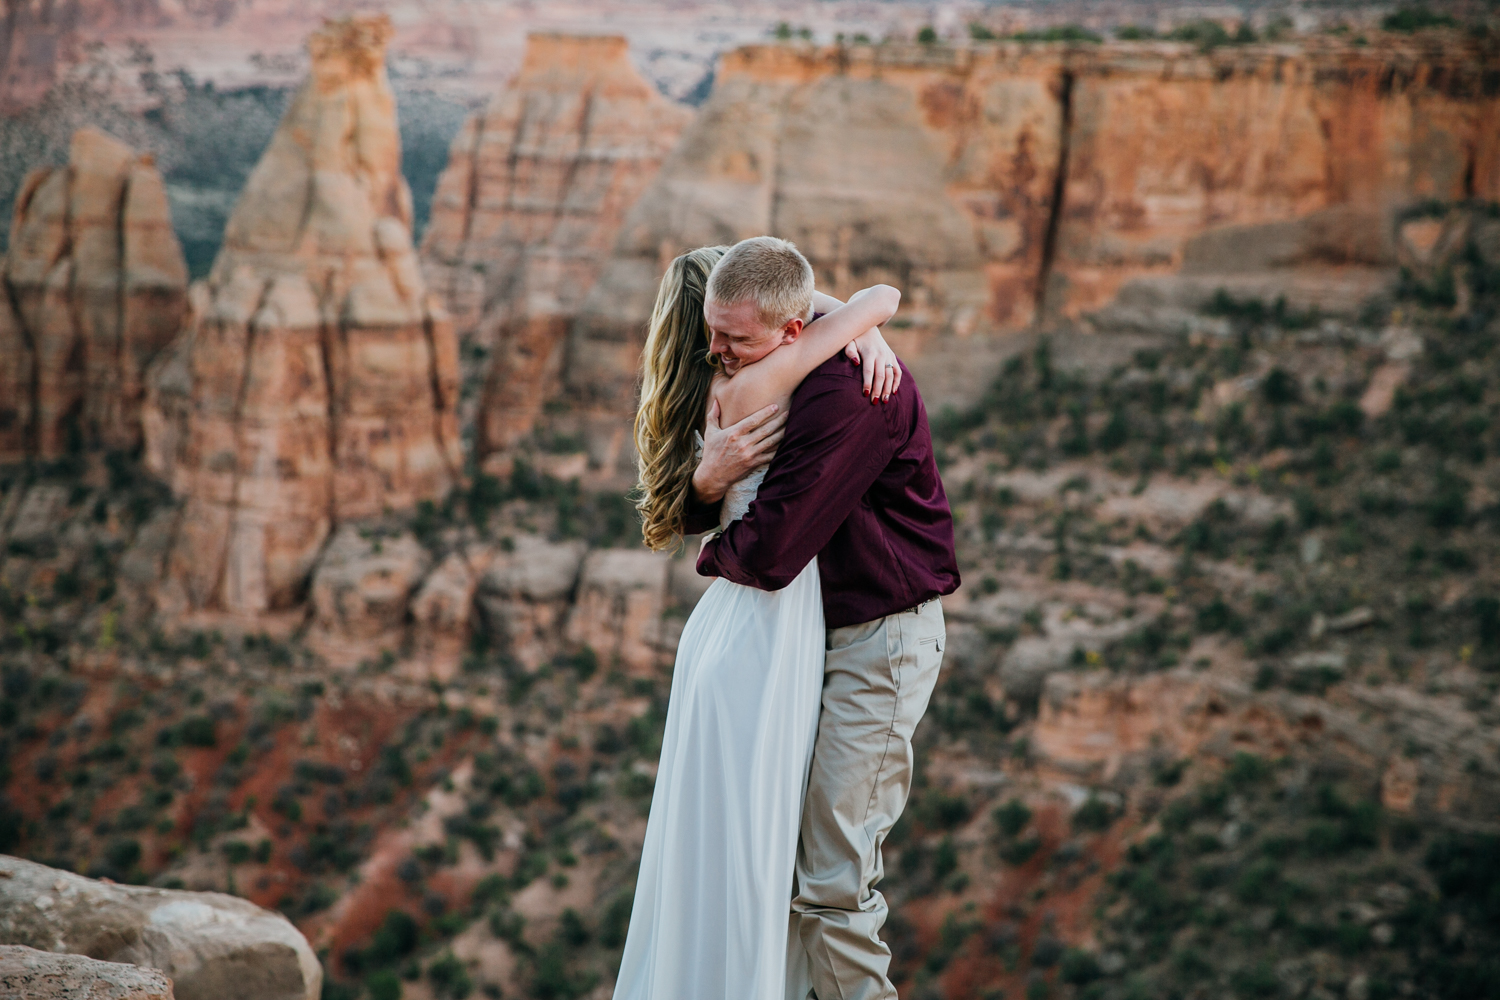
x: 321, y: 586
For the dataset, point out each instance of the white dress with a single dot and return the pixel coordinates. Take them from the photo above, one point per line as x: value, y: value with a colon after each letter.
x: 715, y: 886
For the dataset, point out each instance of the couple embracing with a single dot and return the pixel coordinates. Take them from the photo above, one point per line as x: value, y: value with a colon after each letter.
x: 776, y: 415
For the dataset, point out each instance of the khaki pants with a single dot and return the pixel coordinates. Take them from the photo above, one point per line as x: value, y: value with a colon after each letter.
x: 877, y: 681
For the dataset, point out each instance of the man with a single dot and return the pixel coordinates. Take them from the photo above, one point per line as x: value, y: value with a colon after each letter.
x: 855, y: 485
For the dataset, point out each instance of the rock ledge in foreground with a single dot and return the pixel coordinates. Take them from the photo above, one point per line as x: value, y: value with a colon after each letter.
x: 212, y: 946
x: 43, y: 975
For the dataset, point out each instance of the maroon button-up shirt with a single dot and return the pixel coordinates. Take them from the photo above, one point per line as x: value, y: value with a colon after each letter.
x: 854, y: 484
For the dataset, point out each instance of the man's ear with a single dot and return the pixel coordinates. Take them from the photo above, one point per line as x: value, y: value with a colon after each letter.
x: 791, y: 331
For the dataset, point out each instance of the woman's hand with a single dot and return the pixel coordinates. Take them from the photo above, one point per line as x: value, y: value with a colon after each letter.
x: 882, y: 370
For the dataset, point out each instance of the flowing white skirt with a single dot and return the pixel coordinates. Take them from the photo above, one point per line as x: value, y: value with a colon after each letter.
x: 715, y: 886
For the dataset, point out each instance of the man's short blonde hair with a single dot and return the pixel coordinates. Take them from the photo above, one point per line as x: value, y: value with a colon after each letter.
x: 770, y: 272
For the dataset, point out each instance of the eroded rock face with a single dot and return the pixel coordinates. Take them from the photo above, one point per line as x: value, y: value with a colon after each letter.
x: 318, y: 381
x: 212, y: 946
x: 364, y: 580
x: 1166, y: 144
x: 43, y: 975
x: 528, y: 209
x: 621, y: 596
x: 525, y: 595
x: 1000, y: 183
x: 95, y: 287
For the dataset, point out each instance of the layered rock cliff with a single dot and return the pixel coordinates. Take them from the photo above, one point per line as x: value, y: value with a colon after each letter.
x: 1005, y: 183
x: 528, y: 210
x: 95, y: 287
x: 1164, y: 146
x: 318, y: 380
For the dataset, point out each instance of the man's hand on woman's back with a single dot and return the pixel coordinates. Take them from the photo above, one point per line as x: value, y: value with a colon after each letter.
x: 732, y: 453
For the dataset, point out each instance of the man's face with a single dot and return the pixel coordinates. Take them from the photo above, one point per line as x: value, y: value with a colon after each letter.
x: 738, y: 336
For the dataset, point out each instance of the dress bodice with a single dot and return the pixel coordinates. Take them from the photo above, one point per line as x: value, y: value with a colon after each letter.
x: 739, y: 497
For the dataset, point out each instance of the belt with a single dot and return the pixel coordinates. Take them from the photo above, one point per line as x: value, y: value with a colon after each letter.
x: 916, y: 609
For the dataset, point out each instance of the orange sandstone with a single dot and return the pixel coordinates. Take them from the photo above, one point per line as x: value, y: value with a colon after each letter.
x: 95, y: 287
x: 528, y: 209
x: 318, y: 381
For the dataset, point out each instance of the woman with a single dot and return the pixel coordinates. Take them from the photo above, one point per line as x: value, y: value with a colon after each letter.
x: 710, y: 916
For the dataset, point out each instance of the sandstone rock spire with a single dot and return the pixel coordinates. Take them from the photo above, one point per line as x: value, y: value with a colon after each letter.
x: 528, y: 209
x: 318, y: 380
x: 95, y: 287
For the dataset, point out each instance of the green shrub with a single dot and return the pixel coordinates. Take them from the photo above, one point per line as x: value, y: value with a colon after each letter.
x: 394, y: 939
x: 1416, y: 18
x: 1095, y: 814
x: 1204, y: 33
x: 1021, y: 851
x: 1191, y: 965
x: 944, y: 859
x: 571, y: 929
x: 123, y: 855
x: 1280, y: 388
x: 1254, y: 981
x: 940, y: 811
x: 1059, y: 33
x: 615, y: 921
x: 1258, y: 883
x: 491, y: 888
x: 384, y: 985
x: 508, y: 926
x: 1217, y: 616
x: 197, y: 731
x: 1247, y: 769
x: 449, y: 977
x: 1078, y: 967
x: 1012, y: 817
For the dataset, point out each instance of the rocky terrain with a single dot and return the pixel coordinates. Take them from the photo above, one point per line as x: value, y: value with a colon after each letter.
x: 44, y: 975
x: 307, y: 605
x: 1217, y: 718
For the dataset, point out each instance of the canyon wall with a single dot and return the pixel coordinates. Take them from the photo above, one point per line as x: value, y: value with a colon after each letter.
x: 1003, y: 184
x: 94, y: 287
x: 528, y: 210
x: 317, y: 382
x: 1163, y: 147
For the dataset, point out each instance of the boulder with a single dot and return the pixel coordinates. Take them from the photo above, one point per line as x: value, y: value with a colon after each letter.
x: 363, y: 580
x: 525, y: 594
x: 44, y: 975
x: 211, y: 946
x: 622, y: 594
x: 442, y: 603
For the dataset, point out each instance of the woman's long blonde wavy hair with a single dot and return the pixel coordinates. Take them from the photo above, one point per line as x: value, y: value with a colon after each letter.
x: 677, y: 371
